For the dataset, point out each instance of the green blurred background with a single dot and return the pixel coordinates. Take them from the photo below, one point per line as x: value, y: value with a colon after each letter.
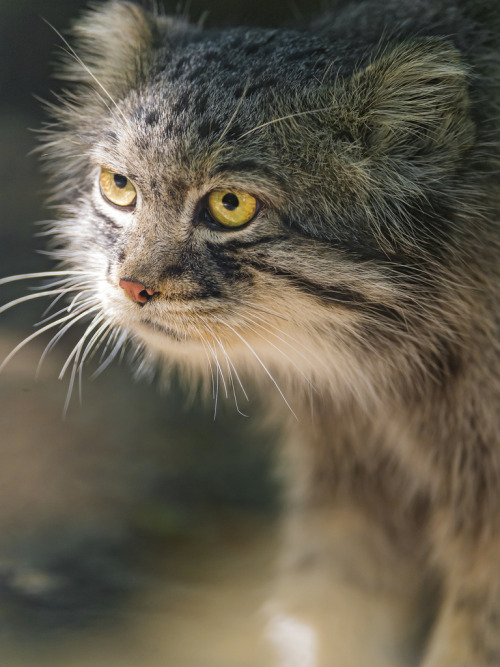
x: 138, y: 530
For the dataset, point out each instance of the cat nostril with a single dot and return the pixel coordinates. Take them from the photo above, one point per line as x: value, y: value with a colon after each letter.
x: 136, y: 291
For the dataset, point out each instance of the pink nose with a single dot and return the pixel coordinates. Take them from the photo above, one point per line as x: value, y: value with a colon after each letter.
x: 136, y: 291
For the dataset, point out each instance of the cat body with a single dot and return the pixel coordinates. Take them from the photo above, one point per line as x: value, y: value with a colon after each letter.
x: 362, y: 288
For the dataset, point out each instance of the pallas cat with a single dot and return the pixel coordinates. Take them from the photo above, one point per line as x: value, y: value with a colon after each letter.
x: 318, y: 207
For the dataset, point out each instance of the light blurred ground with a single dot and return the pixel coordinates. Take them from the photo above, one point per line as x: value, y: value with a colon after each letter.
x: 116, y: 545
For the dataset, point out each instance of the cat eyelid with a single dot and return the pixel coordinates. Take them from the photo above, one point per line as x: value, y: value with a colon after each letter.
x: 116, y: 170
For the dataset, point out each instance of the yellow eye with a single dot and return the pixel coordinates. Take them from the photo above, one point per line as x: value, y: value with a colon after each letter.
x: 232, y: 208
x: 117, y: 189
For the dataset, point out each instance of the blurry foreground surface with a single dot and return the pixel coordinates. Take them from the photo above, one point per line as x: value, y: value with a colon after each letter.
x: 132, y: 533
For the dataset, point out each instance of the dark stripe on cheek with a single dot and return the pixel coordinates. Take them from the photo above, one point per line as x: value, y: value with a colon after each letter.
x: 228, y: 266
x: 252, y: 243
x: 109, y: 221
x: 338, y: 294
x: 208, y: 289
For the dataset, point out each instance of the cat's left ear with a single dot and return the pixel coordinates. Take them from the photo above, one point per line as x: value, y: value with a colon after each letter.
x: 110, y: 42
x: 410, y: 102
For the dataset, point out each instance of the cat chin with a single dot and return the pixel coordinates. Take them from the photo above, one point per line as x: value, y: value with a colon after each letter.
x: 167, y: 343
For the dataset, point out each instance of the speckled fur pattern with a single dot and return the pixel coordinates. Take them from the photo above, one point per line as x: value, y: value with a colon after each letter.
x: 364, y: 294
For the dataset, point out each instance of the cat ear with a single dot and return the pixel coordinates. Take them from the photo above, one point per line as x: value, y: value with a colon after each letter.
x: 109, y: 44
x: 411, y: 101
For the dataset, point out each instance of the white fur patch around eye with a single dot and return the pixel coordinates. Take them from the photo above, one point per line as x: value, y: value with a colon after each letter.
x: 294, y: 641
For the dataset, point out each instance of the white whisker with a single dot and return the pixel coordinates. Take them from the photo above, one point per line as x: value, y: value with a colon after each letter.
x: 75, y: 299
x: 76, y: 352
x: 277, y: 348
x: 230, y: 366
x: 240, y: 102
x: 91, y: 348
x: 268, y: 373
x: 204, y: 343
x: 79, y: 345
x: 94, y: 342
x: 45, y: 274
x: 110, y: 342
x: 58, y: 283
x: 30, y: 297
x: 278, y: 120
x: 238, y: 378
x: 220, y: 374
x: 114, y: 352
x: 41, y: 331
x: 53, y: 341
x: 88, y: 302
x: 72, y: 288
x: 218, y: 367
x: 268, y: 312
x: 310, y: 352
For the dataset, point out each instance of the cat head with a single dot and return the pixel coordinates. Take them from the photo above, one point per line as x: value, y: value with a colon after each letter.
x: 260, y: 197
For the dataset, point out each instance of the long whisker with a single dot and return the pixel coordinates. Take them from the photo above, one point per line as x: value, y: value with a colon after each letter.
x: 92, y: 346
x: 240, y: 102
x: 95, y: 322
x: 268, y: 373
x: 308, y: 349
x: 76, y: 353
x: 230, y: 368
x: 72, y: 288
x: 53, y: 342
x: 95, y: 342
x: 110, y: 342
x: 18, y: 347
x: 30, y: 297
x: 268, y: 312
x: 205, y: 349
x: 114, y: 352
x: 219, y: 371
x: 230, y: 364
x: 76, y: 298
x: 45, y: 274
x: 237, y: 377
x: 145, y: 362
x: 278, y: 349
x: 218, y: 368
x: 55, y: 283
x: 278, y: 120
x: 61, y: 311
x: 310, y: 352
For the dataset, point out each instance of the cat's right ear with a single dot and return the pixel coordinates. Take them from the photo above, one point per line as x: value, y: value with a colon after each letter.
x: 110, y: 44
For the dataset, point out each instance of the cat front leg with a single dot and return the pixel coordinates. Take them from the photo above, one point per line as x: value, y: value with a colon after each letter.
x: 346, y: 597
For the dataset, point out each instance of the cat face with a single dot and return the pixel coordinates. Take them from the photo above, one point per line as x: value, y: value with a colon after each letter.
x: 251, y: 192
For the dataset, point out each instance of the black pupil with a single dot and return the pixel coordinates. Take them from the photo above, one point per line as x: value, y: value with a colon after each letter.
x: 230, y: 201
x: 120, y: 181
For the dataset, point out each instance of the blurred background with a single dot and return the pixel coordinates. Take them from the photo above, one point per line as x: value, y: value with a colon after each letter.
x: 139, y: 530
